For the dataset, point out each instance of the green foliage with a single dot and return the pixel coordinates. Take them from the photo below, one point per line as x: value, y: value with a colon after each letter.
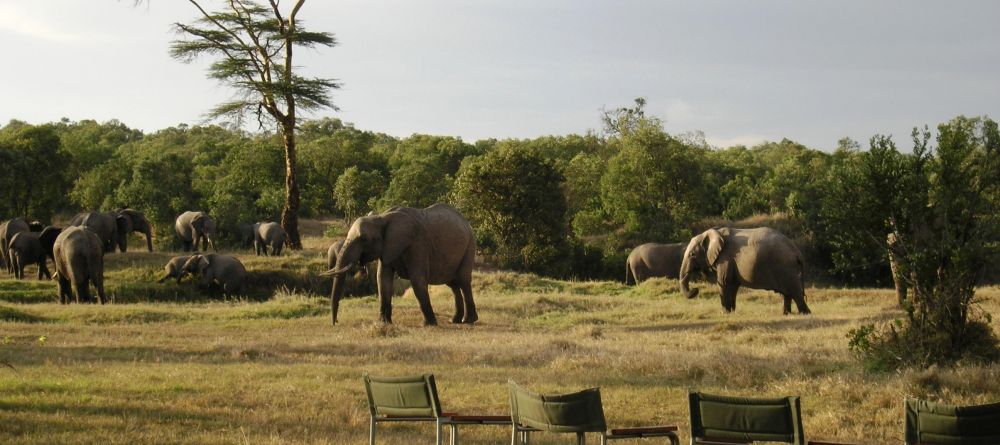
x: 327, y: 156
x: 357, y: 190
x: 512, y: 196
x: 941, y: 205
x: 31, y: 174
x: 423, y: 170
x: 652, y: 186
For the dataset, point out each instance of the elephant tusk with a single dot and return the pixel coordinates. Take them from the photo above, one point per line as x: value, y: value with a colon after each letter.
x: 336, y: 271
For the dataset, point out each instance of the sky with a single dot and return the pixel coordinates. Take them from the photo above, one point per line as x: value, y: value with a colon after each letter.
x: 741, y: 72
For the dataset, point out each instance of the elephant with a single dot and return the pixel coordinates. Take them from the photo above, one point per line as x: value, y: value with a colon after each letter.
x: 268, y: 235
x: 434, y: 245
x: 33, y: 248
x: 78, y: 254
x: 365, y: 275
x: 7, y: 231
x: 224, y: 270
x: 758, y: 258
x: 194, y: 228
x: 654, y: 260
x: 174, y: 268
x: 114, y: 227
x: 247, y: 234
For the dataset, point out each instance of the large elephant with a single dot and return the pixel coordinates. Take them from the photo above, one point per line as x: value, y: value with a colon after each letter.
x: 78, y: 255
x: 114, y: 227
x: 7, y: 231
x: 224, y: 270
x: 654, y: 260
x: 194, y: 228
x: 760, y: 258
x: 268, y: 235
x: 427, y: 246
x: 33, y: 248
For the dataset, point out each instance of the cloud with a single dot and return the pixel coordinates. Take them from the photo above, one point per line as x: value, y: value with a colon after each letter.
x: 748, y: 140
x: 17, y: 21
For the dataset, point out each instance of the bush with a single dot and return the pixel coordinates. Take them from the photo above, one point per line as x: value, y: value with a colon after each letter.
x: 512, y: 197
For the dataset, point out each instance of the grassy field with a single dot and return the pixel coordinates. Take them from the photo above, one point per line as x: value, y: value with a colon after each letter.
x: 166, y: 364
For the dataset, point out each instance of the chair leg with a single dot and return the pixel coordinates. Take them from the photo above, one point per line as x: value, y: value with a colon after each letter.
x: 454, y: 434
x: 581, y: 439
x: 371, y: 433
x: 437, y: 438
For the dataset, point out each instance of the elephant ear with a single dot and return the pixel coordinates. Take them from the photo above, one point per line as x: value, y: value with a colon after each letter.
x: 124, y: 223
x: 398, y: 234
x: 189, y: 265
x: 715, y: 245
x: 203, y: 264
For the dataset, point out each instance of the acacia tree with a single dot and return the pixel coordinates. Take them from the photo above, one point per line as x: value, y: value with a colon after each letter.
x: 252, y: 47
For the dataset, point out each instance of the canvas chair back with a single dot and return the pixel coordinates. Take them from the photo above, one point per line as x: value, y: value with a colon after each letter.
x: 939, y: 424
x: 414, y: 396
x: 745, y: 419
x: 578, y: 412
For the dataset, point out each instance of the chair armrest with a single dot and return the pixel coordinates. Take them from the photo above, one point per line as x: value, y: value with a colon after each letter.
x: 816, y: 442
x: 644, y: 430
x: 478, y: 418
x: 717, y: 441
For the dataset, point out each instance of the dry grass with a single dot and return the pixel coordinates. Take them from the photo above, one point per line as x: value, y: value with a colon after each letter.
x: 276, y: 372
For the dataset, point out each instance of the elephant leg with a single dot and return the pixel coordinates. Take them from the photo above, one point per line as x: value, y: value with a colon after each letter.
x: 459, y: 303
x: 99, y: 285
x: 43, y: 270
x: 727, y: 292
x: 800, y: 303
x: 82, y: 290
x: 787, y: 307
x: 471, y: 315
x: 385, y: 277
x: 64, y: 289
x: 419, y: 286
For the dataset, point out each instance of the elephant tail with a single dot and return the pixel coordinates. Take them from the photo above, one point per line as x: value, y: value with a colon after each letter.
x: 629, y: 276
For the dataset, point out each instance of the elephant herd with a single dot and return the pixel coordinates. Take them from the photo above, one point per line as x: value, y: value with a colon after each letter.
x: 758, y: 258
x: 78, y: 250
x: 429, y: 246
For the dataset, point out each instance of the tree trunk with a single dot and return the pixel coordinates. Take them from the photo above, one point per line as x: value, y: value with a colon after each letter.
x: 290, y: 213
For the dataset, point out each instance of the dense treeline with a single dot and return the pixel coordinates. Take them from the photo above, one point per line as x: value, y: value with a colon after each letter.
x: 559, y: 205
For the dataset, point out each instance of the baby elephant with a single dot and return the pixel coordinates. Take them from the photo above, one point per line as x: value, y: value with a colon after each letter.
x: 224, y: 270
x: 32, y: 248
x: 267, y: 235
x: 174, y: 268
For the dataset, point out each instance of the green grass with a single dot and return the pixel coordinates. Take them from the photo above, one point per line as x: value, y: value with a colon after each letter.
x: 169, y: 364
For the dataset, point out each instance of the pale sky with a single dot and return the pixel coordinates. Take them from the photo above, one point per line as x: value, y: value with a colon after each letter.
x: 740, y: 71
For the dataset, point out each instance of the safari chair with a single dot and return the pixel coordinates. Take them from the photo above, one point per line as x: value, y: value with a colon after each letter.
x: 579, y: 413
x: 723, y: 420
x: 934, y: 423
x: 415, y: 399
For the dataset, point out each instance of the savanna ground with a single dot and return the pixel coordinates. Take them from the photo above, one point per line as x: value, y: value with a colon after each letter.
x: 167, y: 365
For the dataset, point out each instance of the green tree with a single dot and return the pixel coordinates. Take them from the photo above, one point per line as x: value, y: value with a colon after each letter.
x: 652, y: 187
x: 253, y: 49
x: 943, y: 207
x: 512, y: 196
x: 327, y: 157
x: 356, y: 191
x: 34, y: 185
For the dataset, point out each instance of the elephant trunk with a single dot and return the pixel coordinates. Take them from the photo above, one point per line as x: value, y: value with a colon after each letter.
x: 148, y: 231
x: 350, y: 253
x: 685, y: 277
